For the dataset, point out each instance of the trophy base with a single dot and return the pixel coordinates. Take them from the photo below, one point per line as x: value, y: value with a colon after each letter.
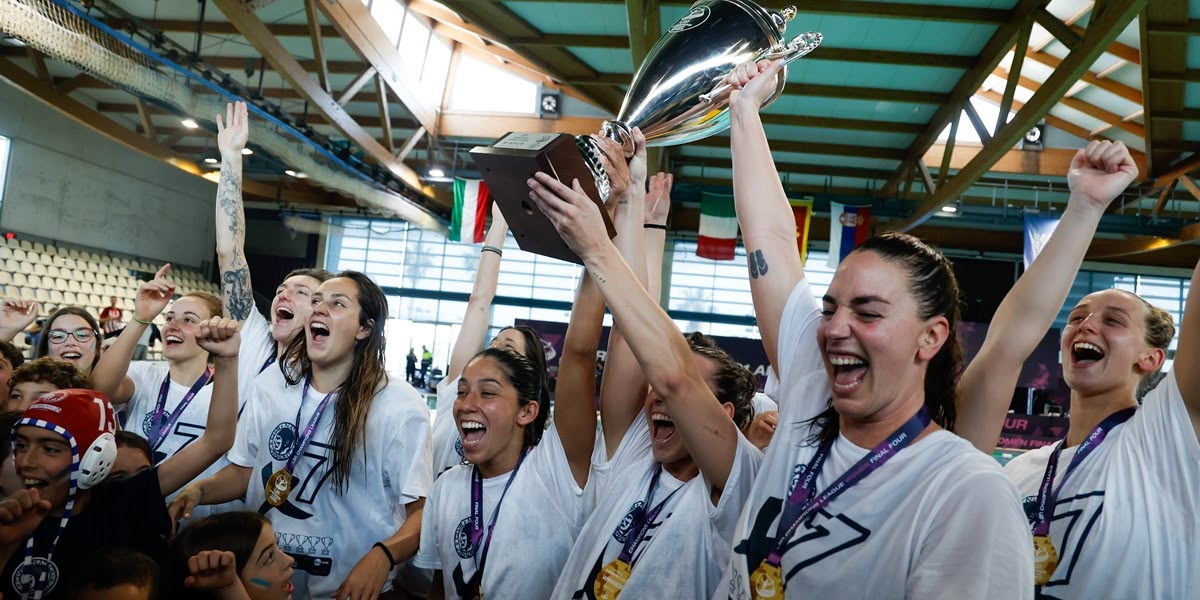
x: 507, y: 166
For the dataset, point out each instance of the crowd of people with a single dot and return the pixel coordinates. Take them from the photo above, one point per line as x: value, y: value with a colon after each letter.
x: 275, y: 456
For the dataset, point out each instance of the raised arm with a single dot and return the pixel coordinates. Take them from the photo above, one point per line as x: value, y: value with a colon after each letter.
x: 1099, y: 173
x: 654, y: 230
x: 219, y: 337
x: 768, y: 226
x: 1187, y: 354
x: 575, y: 389
x: 664, y: 355
x: 108, y: 377
x: 473, y: 332
x: 15, y: 315
x: 236, y: 293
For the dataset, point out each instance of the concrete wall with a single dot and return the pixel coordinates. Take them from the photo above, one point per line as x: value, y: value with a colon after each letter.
x: 68, y: 183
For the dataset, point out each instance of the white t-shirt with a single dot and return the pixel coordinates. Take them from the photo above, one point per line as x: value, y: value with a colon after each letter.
x: 257, y: 346
x: 537, y: 523
x: 325, y: 530
x: 447, y: 445
x: 938, y: 520
x: 1125, y: 524
x: 687, y: 545
x: 763, y: 404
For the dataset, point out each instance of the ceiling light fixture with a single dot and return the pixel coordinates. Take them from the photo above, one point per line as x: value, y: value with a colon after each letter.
x: 437, y: 172
x: 950, y: 208
x: 247, y: 152
x: 210, y: 160
x: 190, y: 123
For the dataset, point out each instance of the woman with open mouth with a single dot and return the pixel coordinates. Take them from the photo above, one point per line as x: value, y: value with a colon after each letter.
x: 165, y: 403
x: 72, y: 334
x: 863, y: 475
x: 332, y: 450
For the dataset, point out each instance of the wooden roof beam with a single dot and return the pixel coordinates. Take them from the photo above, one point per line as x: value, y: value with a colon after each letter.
x: 318, y: 44
x: 786, y: 167
x: 991, y: 54
x: 1184, y: 29
x: 1113, y: 87
x: 1163, y: 54
x: 802, y: 147
x: 1091, y: 110
x: 885, y: 10
x: 1105, y: 26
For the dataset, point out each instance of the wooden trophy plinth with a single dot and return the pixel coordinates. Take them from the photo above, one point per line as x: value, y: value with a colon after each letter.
x: 507, y: 166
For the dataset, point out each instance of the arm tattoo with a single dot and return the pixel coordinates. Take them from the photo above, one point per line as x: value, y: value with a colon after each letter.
x: 229, y: 196
x: 596, y: 276
x: 758, y: 264
x: 239, y: 299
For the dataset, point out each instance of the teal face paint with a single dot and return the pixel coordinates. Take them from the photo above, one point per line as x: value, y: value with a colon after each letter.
x: 260, y: 582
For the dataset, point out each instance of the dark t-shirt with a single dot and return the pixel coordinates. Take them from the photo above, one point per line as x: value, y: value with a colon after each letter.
x: 127, y: 513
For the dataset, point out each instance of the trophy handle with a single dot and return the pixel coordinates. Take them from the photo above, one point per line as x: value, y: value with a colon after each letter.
x: 591, y: 157
x: 619, y: 132
x: 798, y: 47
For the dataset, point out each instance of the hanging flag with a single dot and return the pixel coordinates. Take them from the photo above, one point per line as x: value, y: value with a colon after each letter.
x: 849, y: 226
x: 718, y: 227
x: 802, y: 211
x: 470, y: 210
x: 1037, y: 233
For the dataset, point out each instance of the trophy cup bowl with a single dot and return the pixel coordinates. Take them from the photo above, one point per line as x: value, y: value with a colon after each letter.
x: 678, y: 95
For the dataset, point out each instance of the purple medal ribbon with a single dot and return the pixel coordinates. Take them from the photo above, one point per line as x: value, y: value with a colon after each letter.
x: 270, y: 361
x: 1047, y: 495
x: 476, y: 526
x: 802, y: 506
x: 642, y: 519
x: 310, y: 429
x: 165, y: 425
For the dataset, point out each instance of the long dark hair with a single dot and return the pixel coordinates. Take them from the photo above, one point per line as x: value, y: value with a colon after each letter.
x: 735, y: 384
x: 367, y: 375
x: 933, y: 285
x: 235, y: 532
x: 535, y: 351
x: 43, y: 347
x: 530, y: 383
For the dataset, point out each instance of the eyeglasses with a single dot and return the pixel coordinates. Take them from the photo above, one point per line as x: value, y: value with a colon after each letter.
x: 58, y: 336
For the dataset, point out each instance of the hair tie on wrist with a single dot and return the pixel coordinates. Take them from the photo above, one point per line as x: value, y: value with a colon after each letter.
x: 386, y: 552
x: 654, y: 226
x: 498, y: 251
x: 135, y: 318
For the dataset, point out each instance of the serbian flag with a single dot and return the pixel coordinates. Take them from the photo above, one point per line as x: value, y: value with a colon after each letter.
x: 849, y: 226
x: 1037, y: 233
x: 802, y: 211
x: 470, y: 210
x: 718, y: 227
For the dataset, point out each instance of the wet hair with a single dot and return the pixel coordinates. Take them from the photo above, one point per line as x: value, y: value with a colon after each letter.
x: 210, y: 301
x: 530, y: 383
x: 113, y: 567
x: 735, y: 384
x: 59, y: 373
x: 535, y: 351
x: 319, y: 274
x: 934, y: 287
x: 43, y: 347
x: 11, y: 354
x: 368, y: 375
x: 8, y: 419
x: 236, y: 531
x: 129, y: 439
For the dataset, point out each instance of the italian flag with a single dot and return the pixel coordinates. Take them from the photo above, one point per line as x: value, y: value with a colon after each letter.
x: 718, y: 227
x: 470, y: 210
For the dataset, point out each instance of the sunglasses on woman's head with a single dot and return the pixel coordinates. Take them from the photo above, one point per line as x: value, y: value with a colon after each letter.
x: 58, y: 336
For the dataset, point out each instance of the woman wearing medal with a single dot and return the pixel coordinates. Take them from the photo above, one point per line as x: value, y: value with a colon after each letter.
x: 333, y: 451
x: 1105, y: 504
x: 520, y: 496
x: 165, y: 403
x: 664, y: 495
x: 863, y: 492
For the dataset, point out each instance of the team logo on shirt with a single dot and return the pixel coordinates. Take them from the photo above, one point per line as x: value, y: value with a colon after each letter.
x: 622, y: 532
x: 462, y: 539
x: 25, y: 577
x: 1074, y: 520
x: 282, y: 440
x: 148, y: 424
x: 458, y: 448
x: 823, y: 537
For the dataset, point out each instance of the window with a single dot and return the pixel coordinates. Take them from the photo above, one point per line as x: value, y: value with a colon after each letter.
x: 483, y: 87
x: 390, y: 17
x: 4, y: 146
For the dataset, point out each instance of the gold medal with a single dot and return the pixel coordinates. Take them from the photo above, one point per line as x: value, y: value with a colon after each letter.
x: 279, y: 485
x: 612, y: 580
x: 766, y: 582
x: 1045, y: 559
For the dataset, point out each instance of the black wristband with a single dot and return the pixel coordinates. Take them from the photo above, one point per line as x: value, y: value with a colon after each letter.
x: 654, y: 226
x: 386, y: 552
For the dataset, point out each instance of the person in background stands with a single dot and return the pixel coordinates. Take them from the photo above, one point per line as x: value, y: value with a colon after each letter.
x: 110, y: 318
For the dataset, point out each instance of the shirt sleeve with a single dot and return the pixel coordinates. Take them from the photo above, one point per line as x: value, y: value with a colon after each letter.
x: 147, y: 378
x: 798, y: 352
x: 725, y: 514
x: 244, y: 452
x: 412, y: 462
x: 1163, y: 441
x: 978, y: 544
x: 427, y: 556
x: 550, y: 461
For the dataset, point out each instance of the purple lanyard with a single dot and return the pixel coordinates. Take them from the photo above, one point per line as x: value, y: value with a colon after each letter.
x: 642, y: 519
x: 165, y: 425
x: 310, y: 429
x: 476, y: 529
x: 270, y: 361
x: 802, y: 506
x: 1047, y: 495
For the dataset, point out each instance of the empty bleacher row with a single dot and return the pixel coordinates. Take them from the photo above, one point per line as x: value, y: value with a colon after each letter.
x: 58, y: 275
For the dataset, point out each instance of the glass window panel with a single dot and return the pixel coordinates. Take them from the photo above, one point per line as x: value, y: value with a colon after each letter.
x: 390, y: 17
x: 486, y: 87
x: 413, y: 41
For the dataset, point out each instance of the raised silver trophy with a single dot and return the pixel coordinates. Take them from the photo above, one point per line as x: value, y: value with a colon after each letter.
x: 677, y: 96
